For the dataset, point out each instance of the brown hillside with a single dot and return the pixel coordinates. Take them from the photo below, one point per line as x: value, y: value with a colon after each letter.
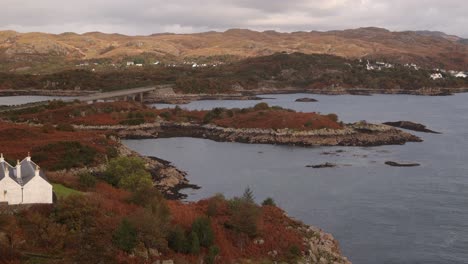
x: 19, y: 50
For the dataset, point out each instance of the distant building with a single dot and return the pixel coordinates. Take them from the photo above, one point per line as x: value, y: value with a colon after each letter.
x: 460, y: 75
x: 436, y: 76
x: 412, y: 65
x: 130, y: 63
x: 139, y: 65
x: 23, y: 184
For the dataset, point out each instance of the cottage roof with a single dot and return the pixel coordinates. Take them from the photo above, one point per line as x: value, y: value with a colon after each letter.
x: 27, y: 168
x: 5, y: 166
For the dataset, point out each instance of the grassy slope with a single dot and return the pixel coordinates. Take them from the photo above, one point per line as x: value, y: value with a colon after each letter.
x: 63, y: 192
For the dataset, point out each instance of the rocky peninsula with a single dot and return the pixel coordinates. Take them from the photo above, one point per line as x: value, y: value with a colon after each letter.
x: 357, y: 134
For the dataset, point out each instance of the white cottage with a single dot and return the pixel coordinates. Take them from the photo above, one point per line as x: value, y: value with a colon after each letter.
x: 23, y: 184
x: 461, y: 75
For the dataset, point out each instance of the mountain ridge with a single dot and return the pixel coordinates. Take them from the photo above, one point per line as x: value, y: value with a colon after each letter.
x: 425, y: 48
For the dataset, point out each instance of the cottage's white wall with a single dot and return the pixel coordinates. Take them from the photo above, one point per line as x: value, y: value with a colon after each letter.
x: 10, y: 191
x: 37, y: 190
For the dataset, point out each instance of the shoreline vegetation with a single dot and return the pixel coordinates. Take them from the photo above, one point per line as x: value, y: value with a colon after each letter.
x: 262, y: 124
x: 115, y: 179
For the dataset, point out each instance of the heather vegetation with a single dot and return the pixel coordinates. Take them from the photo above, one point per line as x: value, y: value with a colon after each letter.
x: 116, y: 224
x: 126, y: 113
x: 278, y: 70
x: 55, y: 149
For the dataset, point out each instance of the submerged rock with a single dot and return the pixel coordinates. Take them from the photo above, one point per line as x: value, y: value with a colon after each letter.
x: 324, y: 165
x: 396, y: 164
x: 411, y: 126
x: 306, y: 100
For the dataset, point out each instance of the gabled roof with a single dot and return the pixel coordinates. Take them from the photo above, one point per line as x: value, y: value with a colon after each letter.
x: 28, y: 171
x: 5, y: 166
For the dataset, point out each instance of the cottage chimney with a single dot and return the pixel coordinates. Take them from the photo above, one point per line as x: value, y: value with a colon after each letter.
x: 1, y: 158
x: 28, y: 158
x: 36, y: 173
x: 7, y: 172
x: 18, y: 169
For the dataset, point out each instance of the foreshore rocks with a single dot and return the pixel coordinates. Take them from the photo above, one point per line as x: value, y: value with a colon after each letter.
x: 397, y: 164
x: 167, y: 178
x: 320, y: 247
x: 411, y: 126
x: 306, y: 100
x: 321, y: 166
x: 169, y: 97
x: 357, y: 134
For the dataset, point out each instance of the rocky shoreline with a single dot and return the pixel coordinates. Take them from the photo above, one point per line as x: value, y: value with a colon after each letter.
x: 37, y: 92
x: 167, y: 178
x: 170, y: 97
x: 320, y: 247
x: 411, y: 126
x: 357, y: 134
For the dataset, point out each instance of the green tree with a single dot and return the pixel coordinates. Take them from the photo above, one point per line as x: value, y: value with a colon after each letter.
x: 87, y: 180
x: 152, y: 222
x: 269, y: 201
x: 244, y: 217
x: 213, y: 251
x: 248, y: 196
x: 128, y: 173
x: 261, y: 106
x: 136, y: 181
x: 177, y: 240
x: 213, y: 204
x: 202, y: 227
x: 194, y: 243
x: 125, y: 236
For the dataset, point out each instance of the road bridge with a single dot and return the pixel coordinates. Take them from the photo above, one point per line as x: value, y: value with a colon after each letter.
x: 128, y: 94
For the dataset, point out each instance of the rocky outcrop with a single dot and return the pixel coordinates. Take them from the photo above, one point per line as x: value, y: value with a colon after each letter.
x: 306, y: 100
x: 167, y: 178
x: 411, y: 126
x: 320, y: 247
x: 357, y: 134
x: 174, y: 98
x: 397, y: 164
x: 321, y: 166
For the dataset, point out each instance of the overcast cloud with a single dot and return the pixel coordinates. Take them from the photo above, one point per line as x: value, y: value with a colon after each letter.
x: 142, y: 17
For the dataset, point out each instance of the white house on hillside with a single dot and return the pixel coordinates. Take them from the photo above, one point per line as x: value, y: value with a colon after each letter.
x: 23, y: 184
x: 461, y: 75
x: 436, y: 76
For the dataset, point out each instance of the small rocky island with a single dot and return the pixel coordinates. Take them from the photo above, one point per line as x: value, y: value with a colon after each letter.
x: 411, y: 126
x: 397, y: 164
x: 321, y: 166
x: 306, y: 100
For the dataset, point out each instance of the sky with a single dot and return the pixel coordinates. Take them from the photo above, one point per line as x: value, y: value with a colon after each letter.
x: 144, y: 17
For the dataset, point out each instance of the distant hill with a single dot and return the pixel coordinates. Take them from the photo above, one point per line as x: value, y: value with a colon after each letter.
x: 43, y: 52
x: 317, y: 72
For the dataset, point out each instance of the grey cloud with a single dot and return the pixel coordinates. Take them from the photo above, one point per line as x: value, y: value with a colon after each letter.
x: 186, y: 16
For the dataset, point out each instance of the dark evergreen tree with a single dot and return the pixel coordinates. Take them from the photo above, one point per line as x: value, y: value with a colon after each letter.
x: 125, y: 236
